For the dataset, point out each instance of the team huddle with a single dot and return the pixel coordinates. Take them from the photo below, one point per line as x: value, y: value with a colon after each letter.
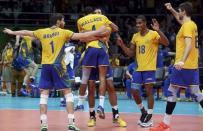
x: 95, y: 30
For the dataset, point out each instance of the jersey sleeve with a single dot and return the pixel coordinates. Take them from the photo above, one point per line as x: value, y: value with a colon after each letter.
x: 106, y: 20
x: 187, y: 30
x: 156, y: 37
x: 38, y: 34
x: 79, y: 26
x: 68, y: 34
x: 133, y: 40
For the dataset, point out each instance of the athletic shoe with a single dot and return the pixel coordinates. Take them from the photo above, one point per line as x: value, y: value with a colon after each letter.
x: 73, y: 127
x: 44, y: 127
x: 100, y: 111
x: 79, y: 108
x: 91, y: 122
x: 161, y: 127
x: 147, y: 124
x: 142, y: 117
x: 120, y: 122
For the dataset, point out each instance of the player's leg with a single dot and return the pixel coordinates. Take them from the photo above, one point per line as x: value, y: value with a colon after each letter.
x: 135, y: 87
x: 61, y: 81
x: 45, y: 84
x: 43, y: 109
x: 83, y: 86
x: 149, y: 80
x: 70, y: 109
x: 179, y: 78
x: 88, y: 63
x: 91, y: 100
x: 128, y: 87
x: 113, y: 101
x: 103, y: 63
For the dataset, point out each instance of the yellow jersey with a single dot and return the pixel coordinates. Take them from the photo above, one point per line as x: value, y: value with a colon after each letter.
x: 188, y: 29
x: 26, y: 47
x: 146, y: 50
x: 93, y: 22
x: 8, y: 55
x: 52, y: 41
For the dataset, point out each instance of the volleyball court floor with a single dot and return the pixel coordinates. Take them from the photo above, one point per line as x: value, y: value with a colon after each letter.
x: 22, y: 114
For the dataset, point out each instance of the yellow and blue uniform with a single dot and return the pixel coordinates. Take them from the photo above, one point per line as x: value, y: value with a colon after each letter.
x: 189, y: 75
x: 53, y: 74
x: 146, y: 56
x: 96, y: 54
x: 25, y: 54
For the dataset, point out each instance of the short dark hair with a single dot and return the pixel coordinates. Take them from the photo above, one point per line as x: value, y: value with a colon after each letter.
x: 142, y: 17
x: 55, y: 17
x: 88, y: 10
x: 187, y: 7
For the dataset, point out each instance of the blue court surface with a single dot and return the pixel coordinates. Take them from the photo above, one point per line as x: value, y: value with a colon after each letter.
x: 125, y: 105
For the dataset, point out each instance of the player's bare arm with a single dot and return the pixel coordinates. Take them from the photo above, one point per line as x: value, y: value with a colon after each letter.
x: 114, y: 27
x: 20, y: 33
x: 128, y: 51
x: 174, y: 12
x: 163, y: 39
x: 91, y: 35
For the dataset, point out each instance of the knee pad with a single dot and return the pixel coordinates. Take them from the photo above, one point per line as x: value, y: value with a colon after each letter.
x: 43, y: 99
x: 85, y: 75
x: 196, y: 92
x: 135, y: 86
x: 69, y: 97
x: 172, y: 96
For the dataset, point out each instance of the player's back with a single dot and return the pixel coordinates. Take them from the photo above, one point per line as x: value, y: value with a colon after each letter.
x: 52, y: 41
x: 92, y: 22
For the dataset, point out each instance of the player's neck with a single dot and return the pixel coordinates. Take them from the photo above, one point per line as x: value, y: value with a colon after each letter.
x: 186, y: 18
x: 144, y: 32
x: 54, y: 26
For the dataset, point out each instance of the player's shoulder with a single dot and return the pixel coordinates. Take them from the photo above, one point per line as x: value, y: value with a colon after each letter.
x: 153, y: 32
x: 189, y: 23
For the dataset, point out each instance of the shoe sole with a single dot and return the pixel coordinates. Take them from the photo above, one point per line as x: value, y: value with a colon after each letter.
x: 44, y: 130
x: 146, y: 126
x: 101, y: 115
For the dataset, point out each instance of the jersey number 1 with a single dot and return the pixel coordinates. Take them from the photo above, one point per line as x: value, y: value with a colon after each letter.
x: 52, y: 46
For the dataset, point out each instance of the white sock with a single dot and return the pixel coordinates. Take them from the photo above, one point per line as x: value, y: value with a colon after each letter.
x: 140, y: 106
x: 80, y: 100
x: 71, y: 119
x: 115, y: 107
x: 101, y: 101
x: 150, y: 111
x: 91, y: 109
x: 167, y: 119
x: 43, y: 118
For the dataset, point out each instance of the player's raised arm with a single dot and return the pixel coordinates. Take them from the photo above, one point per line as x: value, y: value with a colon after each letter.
x: 163, y: 39
x: 21, y: 32
x: 114, y: 27
x: 174, y: 12
x: 128, y: 51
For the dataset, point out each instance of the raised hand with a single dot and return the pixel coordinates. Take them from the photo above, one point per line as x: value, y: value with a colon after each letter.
x: 119, y: 40
x: 155, y: 25
x: 168, y: 6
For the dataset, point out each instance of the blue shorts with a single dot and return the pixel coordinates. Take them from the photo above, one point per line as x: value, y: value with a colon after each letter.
x: 95, y: 57
x: 184, y: 77
x: 71, y: 72
x: 143, y: 77
x: 54, y: 77
x: 94, y: 75
x: 23, y: 62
